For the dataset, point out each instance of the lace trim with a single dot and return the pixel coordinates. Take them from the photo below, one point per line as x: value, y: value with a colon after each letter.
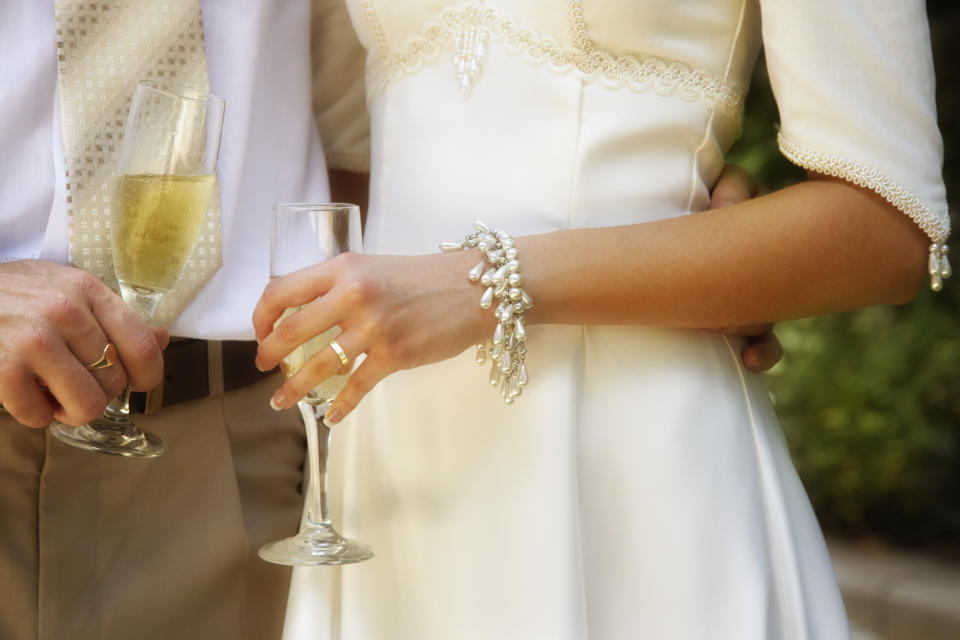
x: 582, y: 58
x: 869, y: 178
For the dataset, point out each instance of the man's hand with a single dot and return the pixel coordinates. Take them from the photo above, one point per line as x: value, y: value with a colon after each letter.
x: 55, y: 320
x: 763, y: 350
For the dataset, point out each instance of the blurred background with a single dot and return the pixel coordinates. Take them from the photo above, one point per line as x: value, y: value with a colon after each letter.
x: 870, y: 405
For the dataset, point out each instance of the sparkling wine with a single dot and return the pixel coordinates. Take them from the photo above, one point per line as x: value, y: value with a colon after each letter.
x: 156, y: 221
x: 327, y: 390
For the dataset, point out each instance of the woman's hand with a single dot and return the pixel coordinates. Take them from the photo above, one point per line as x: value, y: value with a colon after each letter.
x: 401, y: 311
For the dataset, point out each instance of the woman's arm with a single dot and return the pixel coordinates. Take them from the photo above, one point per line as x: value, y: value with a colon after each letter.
x: 813, y: 248
x: 816, y: 247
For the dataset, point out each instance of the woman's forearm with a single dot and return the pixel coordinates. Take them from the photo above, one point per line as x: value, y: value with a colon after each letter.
x: 813, y: 248
x: 817, y: 247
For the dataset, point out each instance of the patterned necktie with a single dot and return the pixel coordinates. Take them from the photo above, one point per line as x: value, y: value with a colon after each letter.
x: 105, y: 48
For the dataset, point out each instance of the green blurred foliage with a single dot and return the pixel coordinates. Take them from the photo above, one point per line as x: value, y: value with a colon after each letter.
x: 870, y: 400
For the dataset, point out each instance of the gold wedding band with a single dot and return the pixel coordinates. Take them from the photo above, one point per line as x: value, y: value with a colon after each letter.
x: 337, y: 349
x: 107, y: 358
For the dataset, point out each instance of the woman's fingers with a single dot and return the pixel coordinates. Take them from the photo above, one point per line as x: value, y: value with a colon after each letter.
x: 370, y: 372
x: 401, y: 311
x: 296, y: 329
x: 318, y: 368
x: 290, y: 291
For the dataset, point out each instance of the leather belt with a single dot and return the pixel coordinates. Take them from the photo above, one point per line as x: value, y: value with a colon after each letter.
x: 194, y: 369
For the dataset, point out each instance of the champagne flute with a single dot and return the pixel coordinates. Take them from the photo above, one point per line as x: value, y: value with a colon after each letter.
x: 303, y: 235
x: 162, y: 188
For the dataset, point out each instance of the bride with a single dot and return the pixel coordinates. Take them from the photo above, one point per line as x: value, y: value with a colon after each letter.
x: 638, y: 485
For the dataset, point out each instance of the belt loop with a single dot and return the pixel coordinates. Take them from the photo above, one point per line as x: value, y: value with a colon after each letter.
x: 215, y: 367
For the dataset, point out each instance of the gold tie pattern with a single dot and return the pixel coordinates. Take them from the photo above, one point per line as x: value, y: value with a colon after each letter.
x: 104, y: 49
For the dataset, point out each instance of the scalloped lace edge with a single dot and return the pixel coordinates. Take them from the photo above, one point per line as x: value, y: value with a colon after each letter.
x: 583, y: 59
x: 869, y: 178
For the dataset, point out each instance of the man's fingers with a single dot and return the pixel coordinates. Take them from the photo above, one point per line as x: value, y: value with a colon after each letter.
x: 762, y: 352
x: 86, y: 340
x: 162, y: 336
x: 79, y: 396
x: 135, y: 341
x: 26, y: 401
x: 734, y: 185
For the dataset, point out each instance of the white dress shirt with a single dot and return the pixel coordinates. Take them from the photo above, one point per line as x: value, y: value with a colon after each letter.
x: 258, y: 54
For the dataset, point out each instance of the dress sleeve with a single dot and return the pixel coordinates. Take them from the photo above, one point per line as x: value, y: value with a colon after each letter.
x: 339, y: 96
x: 854, y: 84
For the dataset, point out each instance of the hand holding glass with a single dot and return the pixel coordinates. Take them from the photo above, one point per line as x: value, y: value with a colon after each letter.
x: 304, y: 235
x: 162, y: 190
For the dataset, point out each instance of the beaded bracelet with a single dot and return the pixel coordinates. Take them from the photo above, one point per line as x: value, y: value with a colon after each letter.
x: 499, y: 272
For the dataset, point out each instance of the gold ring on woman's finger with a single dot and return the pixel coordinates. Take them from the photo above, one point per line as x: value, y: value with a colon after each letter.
x: 337, y: 349
x: 107, y: 359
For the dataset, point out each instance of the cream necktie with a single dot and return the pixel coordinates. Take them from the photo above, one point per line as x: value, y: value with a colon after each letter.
x: 105, y: 48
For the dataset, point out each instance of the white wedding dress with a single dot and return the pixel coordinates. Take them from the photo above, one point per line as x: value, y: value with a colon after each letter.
x: 640, y: 487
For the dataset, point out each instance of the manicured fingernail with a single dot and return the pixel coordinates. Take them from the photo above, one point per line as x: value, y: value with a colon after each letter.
x: 277, y: 401
x: 332, y: 416
x: 259, y: 366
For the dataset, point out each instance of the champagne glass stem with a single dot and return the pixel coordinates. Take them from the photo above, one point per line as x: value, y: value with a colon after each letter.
x: 116, y: 417
x: 118, y: 409
x: 317, y: 515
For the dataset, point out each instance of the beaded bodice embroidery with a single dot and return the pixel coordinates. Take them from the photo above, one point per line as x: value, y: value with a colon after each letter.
x: 467, y: 30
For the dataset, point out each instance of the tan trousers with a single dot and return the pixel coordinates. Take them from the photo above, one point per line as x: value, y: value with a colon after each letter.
x: 98, y: 547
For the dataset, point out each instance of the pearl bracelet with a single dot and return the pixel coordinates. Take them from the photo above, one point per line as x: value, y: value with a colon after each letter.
x: 499, y: 272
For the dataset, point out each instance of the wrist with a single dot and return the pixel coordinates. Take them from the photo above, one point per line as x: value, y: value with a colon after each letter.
x: 497, y: 271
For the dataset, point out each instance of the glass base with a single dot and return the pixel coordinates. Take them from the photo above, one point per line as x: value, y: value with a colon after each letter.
x: 106, y: 436
x: 321, y: 545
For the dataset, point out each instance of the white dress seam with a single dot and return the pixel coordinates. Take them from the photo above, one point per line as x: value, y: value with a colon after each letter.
x: 793, y: 626
x: 695, y: 161
x: 575, y: 159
